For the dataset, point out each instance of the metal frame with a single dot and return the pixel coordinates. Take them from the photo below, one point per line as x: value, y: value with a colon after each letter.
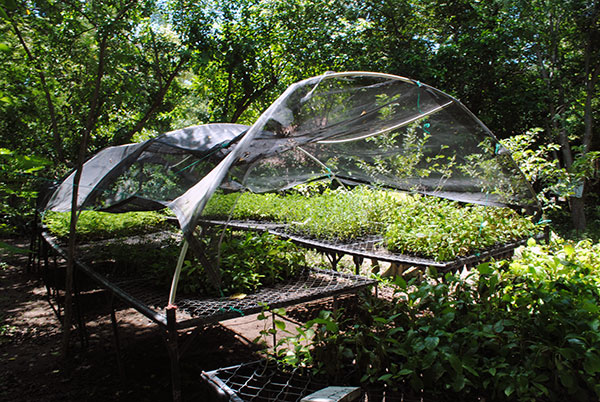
x: 261, y: 381
x: 194, y: 313
x: 270, y: 381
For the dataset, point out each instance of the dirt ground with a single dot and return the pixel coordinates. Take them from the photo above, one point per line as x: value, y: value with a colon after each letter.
x: 30, y: 339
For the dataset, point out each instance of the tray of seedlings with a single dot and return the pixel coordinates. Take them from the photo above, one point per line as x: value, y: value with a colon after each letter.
x: 379, y: 224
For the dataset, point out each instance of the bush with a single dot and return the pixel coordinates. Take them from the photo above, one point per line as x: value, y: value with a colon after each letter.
x: 409, y: 224
x: 524, y: 330
x: 247, y: 260
x: 18, y: 190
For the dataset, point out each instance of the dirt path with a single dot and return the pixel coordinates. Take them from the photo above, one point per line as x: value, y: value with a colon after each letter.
x: 30, y: 337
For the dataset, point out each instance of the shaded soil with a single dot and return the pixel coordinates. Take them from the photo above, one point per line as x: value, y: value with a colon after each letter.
x: 30, y: 340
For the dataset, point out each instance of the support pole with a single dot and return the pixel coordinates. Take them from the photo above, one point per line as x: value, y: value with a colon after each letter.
x: 116, y: 340
x: 274, y: 334
x: 172, y: 336
x: 358, y: 260
x: 334, y: 258
x: 83, y: 337
x: 175, y: 282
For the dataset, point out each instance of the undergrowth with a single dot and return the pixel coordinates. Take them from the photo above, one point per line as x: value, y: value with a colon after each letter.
x: 527, y: 330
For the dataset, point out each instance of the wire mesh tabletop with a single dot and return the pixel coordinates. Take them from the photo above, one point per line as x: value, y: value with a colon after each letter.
x: 151, y: 299
x: 312, y: 284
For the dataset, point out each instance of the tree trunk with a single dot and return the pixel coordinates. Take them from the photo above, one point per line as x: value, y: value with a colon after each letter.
x: 91, y: 118
x: 578, y: 213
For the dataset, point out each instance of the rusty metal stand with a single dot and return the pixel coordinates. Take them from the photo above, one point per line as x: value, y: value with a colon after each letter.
x: 173, y: 348
x: 138, y: 293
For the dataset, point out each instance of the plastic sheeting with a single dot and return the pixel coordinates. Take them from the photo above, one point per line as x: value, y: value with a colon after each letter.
x: 355, y: 127
x: 370, y: 128
x: 147, y: 175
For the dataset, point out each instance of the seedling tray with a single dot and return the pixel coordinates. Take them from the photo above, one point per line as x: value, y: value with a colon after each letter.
x: 269, y: 381
x: 371, y: 247
x: 261, y: 381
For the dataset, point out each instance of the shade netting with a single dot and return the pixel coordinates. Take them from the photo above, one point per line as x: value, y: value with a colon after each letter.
x: 147, y: 175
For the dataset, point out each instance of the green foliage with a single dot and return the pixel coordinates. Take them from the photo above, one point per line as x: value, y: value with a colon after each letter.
x: 516, y: 64
x: 539, y: 167
x: 247, y: 261
x: 504, y: 332
x: 57, y: 51
x: 557, y: 260
x: 93, y: 225
x: 443, y: 230
x: 18, y: 188
x: 425, y: 226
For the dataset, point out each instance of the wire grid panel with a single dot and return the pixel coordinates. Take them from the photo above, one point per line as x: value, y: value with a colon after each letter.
x: 269, y: 381
x: 262, y: 381
x: 145, y: 295
x: 371, y: 247
x: 312, y: 284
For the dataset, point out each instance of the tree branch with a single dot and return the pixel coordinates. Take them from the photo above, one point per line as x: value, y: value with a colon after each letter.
x: 90, y: 120
x: 51, y: 110
x: 158, y: 98
x: 245, y: 102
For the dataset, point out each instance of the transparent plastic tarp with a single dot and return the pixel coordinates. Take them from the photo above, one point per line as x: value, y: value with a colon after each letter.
x: 353, y: 127
x: 368, y: 128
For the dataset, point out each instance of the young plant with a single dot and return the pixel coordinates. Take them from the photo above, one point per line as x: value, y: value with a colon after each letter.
x: 94, y: 225
x: 247, y: 260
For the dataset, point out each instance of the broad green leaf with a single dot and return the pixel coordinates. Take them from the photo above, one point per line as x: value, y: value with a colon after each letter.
x: 459, y: 383
x: 591, y: 364
x: 566, y: 378
x: 431, y: 342
x: 384, y: 377
x: 485, y: 268
x: 455, y: 363
x: 569, y: 250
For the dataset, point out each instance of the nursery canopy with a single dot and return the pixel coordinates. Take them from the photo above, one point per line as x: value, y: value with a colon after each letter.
x: 353, y: 127
x: 145, y: 176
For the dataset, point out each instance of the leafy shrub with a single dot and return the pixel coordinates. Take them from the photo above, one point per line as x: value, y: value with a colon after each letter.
x: 443, y: 230
x: 18, y: 189
x: 505, y: 332
x: 244, y: 206
x: 93, y: 225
